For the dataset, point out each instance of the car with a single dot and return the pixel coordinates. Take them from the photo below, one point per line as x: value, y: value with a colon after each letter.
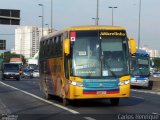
x: 27, y: 73
x: 35, y: 73
x: 11, y: 71
x: 156, y: 74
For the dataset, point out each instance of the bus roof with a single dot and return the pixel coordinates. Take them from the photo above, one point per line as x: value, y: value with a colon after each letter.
x: 94, y: 27
x: 87, y: 27
x: 142, y: 53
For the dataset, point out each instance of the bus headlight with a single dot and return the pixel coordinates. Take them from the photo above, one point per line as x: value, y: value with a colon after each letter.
x: 146, y: 79
x: 124, y: 82
x: 76, y: 83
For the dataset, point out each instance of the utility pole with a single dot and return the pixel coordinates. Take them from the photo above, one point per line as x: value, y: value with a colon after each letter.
x: 112, y: 14
x: 97, y: 17
x: 139, y: 25
x: 42, y: 16
x: 51, y: 15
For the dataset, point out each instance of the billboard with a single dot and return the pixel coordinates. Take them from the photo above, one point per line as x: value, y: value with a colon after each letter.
x: 9, y: 17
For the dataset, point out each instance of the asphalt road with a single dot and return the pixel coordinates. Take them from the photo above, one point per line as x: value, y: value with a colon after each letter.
x: 23, y: 100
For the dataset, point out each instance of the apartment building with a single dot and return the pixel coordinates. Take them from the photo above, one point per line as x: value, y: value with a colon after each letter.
x: 152, y: 52
x: 27, y: 40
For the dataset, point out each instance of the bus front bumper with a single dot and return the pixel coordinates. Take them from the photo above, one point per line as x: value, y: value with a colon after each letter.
x: 77, y: 92
x: 140, y: 83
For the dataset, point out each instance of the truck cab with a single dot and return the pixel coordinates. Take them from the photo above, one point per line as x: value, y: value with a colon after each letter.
x: 11, y: 71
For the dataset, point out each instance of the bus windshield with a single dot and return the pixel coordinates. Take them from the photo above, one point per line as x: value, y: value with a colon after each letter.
x: 94, y: 55
x: 140, y: 66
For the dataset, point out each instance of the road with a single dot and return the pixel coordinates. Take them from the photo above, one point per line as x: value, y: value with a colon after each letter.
x: 23, y: 100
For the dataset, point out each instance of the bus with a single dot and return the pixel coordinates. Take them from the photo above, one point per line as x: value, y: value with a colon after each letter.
x: 73, y: 63
x: 140, y: 70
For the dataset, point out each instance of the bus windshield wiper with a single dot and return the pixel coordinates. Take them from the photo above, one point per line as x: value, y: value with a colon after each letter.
x: 109, y: 68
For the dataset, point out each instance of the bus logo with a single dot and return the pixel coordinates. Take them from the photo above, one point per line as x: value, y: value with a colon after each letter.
x: 73, y: 36
x: 101, y: 85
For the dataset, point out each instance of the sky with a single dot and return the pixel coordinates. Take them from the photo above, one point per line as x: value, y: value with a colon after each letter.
x: 68, y: 13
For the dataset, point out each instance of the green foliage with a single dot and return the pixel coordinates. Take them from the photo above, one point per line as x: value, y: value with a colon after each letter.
x: 157, y: 63
x: 7, y: 55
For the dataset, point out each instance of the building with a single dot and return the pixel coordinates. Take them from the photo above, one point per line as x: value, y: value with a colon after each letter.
x: 27, y: 40
x: 152, y: 52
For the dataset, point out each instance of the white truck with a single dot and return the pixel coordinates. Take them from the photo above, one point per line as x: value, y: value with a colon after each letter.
x: 33, y: 63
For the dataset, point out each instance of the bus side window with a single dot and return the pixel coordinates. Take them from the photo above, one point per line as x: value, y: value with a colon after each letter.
x: 48, y: 48
x: 57, y: 47
x: 40, y: 52
x: 44, y: 50
x: 54, y: 47
x: 60, y: 45
x: 43, y: 46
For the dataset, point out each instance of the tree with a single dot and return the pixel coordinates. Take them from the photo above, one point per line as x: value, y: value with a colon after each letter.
x: 7, y: 55
x: 157, y: 63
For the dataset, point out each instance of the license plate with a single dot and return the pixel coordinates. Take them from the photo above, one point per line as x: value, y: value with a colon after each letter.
x: 101, y: 92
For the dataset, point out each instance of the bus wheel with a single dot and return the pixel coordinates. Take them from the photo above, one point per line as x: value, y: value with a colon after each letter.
x: 114, y: 101
x: 150, y: 84
x: 46, y: 94
x: 65, y: 101
x: 3, y: 78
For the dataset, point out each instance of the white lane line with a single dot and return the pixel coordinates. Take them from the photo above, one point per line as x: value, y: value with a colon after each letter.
x: 138, y: 97
x: 49, y: 102
x: 89, y: 118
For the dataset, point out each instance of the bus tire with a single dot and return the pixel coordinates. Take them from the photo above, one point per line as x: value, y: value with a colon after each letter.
x: 46, y: 95
x: 18, y: 78
x: 150, y: 84
x: 65, y: 101
x: 114, y: 101
x: 3, y: 78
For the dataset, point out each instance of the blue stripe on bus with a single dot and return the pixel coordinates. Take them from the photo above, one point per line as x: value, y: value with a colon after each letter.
x: 139, y: 78
x: 95, y: 85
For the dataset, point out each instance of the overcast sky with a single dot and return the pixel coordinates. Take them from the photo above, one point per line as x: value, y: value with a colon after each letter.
x: 80, y: 12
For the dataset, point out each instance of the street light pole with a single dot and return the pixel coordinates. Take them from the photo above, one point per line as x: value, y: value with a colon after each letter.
x: 112, y: 13
x: 139, y: 24
x: 97, y: 18
x: 42, y: 16
x: 51, y: 14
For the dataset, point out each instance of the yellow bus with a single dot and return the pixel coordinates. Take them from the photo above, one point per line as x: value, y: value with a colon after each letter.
x: 86, y: 62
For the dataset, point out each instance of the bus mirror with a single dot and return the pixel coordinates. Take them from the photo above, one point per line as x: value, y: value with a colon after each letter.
x: 132, y: 44
x: 67, y: 46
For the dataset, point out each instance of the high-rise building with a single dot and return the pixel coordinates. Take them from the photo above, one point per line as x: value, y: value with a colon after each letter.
x: 27, y: 39
x: 152, y: 52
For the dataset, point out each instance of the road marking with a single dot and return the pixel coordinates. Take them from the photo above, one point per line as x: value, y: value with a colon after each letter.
x: 138, y: 97
x: 4, y: 108
x: 142, y: 91
x: 49, y: 102
x: 89, y: 118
